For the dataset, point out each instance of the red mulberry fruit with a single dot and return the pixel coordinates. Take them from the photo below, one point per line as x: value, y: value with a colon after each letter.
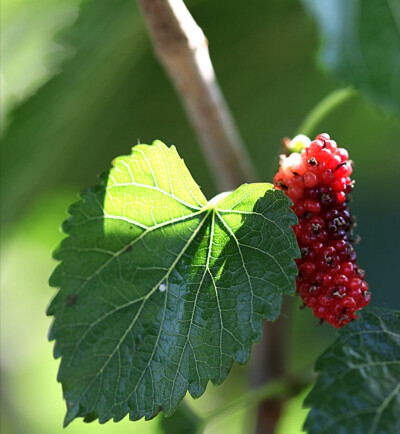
x: 317, y: 180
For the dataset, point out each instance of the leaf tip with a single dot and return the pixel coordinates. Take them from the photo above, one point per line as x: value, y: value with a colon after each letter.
x: 72, y: 413
x: 158, y: 142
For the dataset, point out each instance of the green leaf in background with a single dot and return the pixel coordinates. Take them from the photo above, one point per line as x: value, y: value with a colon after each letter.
x: 162, y: 290
x: 358, y: 391
x: 41, y: 147
x: 30, y: 53
x: 361, y: 45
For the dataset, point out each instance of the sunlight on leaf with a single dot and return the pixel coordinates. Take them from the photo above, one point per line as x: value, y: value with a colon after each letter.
x: 160, y: 290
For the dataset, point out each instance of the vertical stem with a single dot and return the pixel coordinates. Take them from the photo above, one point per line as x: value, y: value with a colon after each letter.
x: 268, y: 364
x: 183, y: 50
x: 286, y: 387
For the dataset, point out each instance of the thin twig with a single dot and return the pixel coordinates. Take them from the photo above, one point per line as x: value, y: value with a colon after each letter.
x: 183, y: 50
x: 323, y: 108
x: 267, y: 365
x: 280, y: 388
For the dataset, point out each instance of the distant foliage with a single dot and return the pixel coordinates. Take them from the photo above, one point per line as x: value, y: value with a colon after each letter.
x: 361, y: 45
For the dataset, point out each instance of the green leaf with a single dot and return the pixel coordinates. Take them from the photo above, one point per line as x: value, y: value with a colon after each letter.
x: 358, y: 390
x: 161, y: 290
x: 361, y: 45
x: 28, y: 44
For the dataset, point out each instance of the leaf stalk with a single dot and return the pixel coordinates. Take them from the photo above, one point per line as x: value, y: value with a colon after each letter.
x: 281, y: 388
x: 323, y: 108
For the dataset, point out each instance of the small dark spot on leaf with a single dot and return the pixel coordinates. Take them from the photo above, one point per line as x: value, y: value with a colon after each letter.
x: 71, y: 299
x: 160, y: 409
x: 128, y: 248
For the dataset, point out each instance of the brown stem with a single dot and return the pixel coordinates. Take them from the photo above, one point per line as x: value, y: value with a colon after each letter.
x: 268, y: 364
x: 183, y: 50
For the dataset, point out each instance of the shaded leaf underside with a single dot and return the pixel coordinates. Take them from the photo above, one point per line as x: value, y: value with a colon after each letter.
x: 161, y: 290
x: 358, y: 391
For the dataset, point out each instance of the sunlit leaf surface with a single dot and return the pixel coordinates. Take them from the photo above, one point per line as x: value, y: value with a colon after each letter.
x: 161, y: 290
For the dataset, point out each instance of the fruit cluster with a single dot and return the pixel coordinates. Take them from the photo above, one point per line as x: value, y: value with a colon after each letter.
x: 318, y: 182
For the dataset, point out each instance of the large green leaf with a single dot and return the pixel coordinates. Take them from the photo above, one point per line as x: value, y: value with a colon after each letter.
x: 362, y: 45
x: 162, y: 290
x: 358, y: 390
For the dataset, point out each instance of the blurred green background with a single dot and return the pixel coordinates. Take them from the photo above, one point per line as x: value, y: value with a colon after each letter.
x: 80, y: 86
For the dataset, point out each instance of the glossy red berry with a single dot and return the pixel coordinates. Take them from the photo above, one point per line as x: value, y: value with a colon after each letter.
x: 317, y: 180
